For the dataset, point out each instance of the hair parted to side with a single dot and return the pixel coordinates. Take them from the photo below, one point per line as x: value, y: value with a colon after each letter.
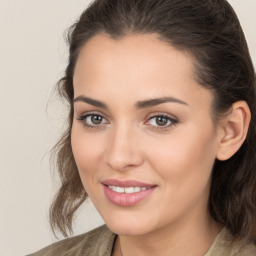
x: 210, y: 31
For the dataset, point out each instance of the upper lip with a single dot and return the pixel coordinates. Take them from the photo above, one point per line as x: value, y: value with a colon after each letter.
x: 126, y: 183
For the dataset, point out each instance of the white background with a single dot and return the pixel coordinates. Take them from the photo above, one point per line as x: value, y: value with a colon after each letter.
x: 33, y: 56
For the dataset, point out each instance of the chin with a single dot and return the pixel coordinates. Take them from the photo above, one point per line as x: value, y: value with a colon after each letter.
x: 129, y: 226
x: 126, y: 229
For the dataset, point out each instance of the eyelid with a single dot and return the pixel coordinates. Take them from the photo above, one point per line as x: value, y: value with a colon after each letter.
x: 81, y: 110
x: 84, y: 114
x: 82, y: 118
x: 163, y: 114
x: 174, y: 121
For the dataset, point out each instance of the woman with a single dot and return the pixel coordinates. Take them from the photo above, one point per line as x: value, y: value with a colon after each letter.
x: 161, y: 131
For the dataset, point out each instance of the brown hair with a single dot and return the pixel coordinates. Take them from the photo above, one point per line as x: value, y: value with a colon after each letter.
x: 211, y: 32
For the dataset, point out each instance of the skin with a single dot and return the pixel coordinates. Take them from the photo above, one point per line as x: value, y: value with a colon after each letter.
x: 177, y: 158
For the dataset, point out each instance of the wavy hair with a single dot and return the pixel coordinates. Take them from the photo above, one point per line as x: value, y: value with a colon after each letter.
x: 210, y: 31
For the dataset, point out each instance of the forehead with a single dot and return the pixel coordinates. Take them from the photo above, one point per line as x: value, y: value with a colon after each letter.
x: 139, y: 66
x: 136, y: 54
x: 135, y: 43
x: 146, y: 47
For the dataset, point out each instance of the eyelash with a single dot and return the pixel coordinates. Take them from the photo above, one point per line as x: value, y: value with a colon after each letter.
x: 84, y: 117
x: 172, y: 121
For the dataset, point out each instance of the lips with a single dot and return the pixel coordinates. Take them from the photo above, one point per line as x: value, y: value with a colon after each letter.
x: 126, y: 183
x: 126, y: 193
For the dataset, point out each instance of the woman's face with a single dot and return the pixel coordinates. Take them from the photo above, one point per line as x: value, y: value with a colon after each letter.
x: 142, y: 136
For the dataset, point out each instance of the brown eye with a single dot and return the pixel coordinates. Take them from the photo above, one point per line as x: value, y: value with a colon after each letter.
x: 96, y: 119
x: 161, y: 120
x: 93, y: 120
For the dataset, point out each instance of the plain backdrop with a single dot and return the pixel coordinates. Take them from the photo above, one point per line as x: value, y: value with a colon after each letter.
x: 33, y: 56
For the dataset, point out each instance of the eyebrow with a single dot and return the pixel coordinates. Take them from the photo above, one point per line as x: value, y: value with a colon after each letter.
x: 158, y: 101
x: 90, y: 101
x: 139, y: 105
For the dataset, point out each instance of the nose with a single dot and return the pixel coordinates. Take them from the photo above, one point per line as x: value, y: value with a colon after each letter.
x: 122, y: 151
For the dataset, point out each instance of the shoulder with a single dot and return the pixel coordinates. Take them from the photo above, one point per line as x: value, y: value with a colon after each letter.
x: 244, y: 250
x: 96, y: 242
x: 224, y: 245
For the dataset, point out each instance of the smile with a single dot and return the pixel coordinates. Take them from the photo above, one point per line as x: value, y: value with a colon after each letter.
x: 126, y: 193
x: 128, y: 190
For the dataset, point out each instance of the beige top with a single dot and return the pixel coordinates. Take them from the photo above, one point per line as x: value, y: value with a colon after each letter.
x: 100, y: 241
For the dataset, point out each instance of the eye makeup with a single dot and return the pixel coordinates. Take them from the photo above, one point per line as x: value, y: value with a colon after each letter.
x: 159, y: 121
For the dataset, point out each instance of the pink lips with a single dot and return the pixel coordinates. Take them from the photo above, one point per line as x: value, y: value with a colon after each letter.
x: 126, y: 199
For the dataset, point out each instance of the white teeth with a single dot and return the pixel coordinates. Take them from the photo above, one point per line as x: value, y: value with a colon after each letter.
x: 127, y: 190
x: 136, y: 189
x: 117, y: 189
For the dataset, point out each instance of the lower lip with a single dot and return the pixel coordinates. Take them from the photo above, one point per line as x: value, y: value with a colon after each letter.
x: 125, y: 199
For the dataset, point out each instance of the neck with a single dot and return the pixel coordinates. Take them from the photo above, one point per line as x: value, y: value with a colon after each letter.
x: 178, y: 240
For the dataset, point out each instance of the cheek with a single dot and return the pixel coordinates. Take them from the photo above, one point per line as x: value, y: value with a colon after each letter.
x: 185, y: 159
x: 184, y: 162
x: 87, y: 151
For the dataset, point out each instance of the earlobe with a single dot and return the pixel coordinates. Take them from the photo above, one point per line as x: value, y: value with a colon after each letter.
x: 235, y: 127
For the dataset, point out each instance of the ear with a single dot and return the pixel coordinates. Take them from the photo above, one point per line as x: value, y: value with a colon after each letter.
x: 234, y: 130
